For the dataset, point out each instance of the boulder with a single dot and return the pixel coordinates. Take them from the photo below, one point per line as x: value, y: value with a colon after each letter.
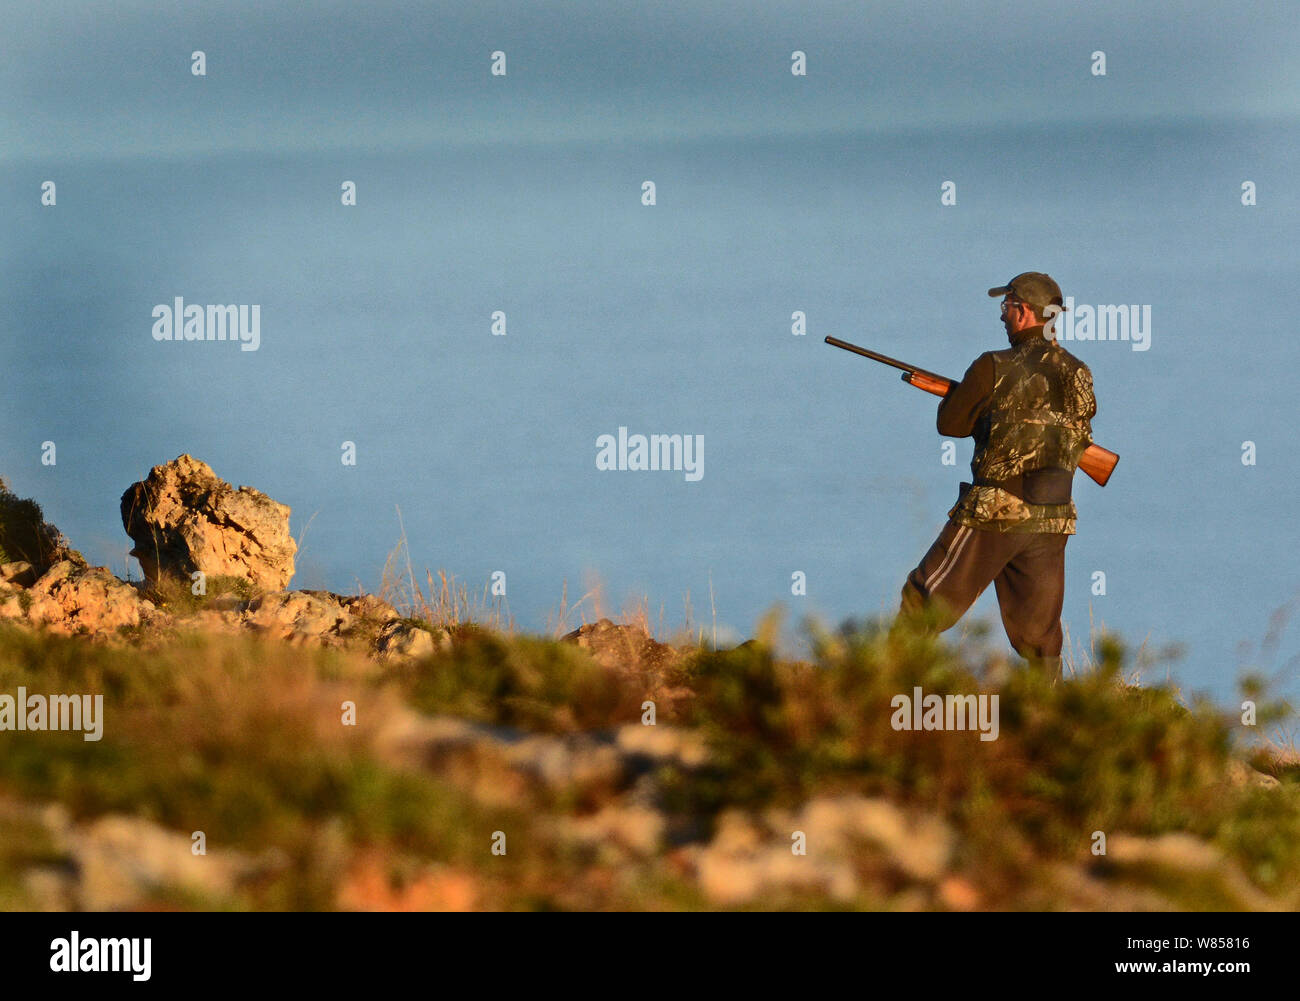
x: 623, y: 647
x: 73, y: 599
x: 364, y: 606
x: 121, y: 862
x: 857, y: 842
x: 183, y: 518
x: 14, y: 601
x: 920, y: 846
x: 403, y: 640
x: 19, y: 572
x: 298, y: 615
x: 580, y: 761
x: 336, y: 619
x: 1241, y: 774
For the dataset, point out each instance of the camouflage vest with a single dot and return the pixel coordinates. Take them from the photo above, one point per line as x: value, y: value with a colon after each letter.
x: 1038, y: 418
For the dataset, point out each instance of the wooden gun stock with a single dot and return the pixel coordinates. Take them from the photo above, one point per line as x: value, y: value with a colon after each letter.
x: 1098, y: 463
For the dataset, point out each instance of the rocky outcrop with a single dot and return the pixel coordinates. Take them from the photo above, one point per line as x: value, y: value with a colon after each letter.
x: 69, y: 598
x: 46, y: 582
x: 584, y: 761
x: 297, y: 615
x: 183, y: 518
x: 628, y: 650
x: 622, y: 646
x: 402, y: 639
x: 310, y: 617
x: 1241, y: 774
x: 20, y: 572
x: 89, y: 601
x: 119, y: 862
x: 750, y: 856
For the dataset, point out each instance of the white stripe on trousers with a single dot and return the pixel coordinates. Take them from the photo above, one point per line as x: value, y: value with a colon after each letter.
x: 958, y: 544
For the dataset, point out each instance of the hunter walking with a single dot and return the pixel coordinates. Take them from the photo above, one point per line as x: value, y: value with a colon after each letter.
x: 1029, y: 409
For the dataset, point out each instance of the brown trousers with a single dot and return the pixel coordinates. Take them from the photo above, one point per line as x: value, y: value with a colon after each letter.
x: 1028, y: 570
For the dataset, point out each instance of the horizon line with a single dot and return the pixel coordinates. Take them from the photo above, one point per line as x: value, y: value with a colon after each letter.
x: 651, y: 136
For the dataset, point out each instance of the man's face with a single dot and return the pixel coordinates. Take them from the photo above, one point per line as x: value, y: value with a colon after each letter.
x: 1016, y: 315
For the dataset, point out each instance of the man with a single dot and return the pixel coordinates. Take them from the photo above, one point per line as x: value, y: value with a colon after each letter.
x: 1029, y: 409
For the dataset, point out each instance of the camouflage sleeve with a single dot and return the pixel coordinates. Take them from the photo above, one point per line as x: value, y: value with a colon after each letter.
x: 967, y: 400
x: 1085, y: 401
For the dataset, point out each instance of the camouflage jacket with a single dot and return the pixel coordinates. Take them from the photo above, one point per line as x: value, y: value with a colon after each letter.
x: 1028, y: 407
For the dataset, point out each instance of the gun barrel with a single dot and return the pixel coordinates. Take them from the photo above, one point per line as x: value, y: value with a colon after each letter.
x: 883, y: 359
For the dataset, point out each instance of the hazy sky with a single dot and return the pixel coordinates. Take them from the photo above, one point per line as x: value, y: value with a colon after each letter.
x: 83, y: 77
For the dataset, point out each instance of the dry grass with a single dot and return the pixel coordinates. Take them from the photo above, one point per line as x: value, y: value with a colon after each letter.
x: 443, y: 602
x: 569, y: 617
x: 593, y: 606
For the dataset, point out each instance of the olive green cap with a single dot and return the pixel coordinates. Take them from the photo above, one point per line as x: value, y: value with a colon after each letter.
x: 1033, y: 287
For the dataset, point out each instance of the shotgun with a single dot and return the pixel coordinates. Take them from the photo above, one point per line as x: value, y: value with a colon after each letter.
x: 1096, y: 461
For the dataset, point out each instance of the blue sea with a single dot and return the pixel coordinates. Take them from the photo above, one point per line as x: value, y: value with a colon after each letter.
x: 376, y: 329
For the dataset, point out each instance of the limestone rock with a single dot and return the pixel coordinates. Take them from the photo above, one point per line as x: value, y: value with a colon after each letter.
x: 743, y: 865
x: 122, y: 861
x: 72, y: 599
x: 750, y: 858
x: 14, y: 601
x: 638, y: 828
x: 19, y: 572
x: 297, y: 615
x: 1241, y: 774
x: 365, y: 606
x: 405, y: 640
x: 920, y: 846
x: 334, y: 619
x: 557, y: 762
x: 1184, y: 853
x: 623, y: 647
x: 183, y: 518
